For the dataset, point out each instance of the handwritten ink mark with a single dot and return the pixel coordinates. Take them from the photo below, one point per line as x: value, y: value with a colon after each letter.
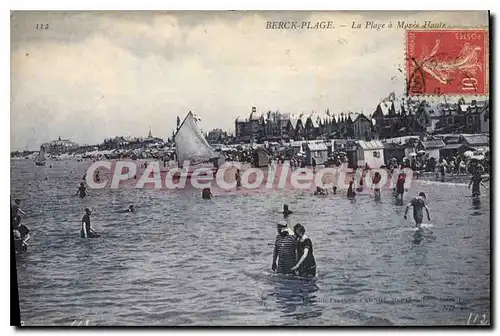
x: 42, y: 26
x: 482, y: 321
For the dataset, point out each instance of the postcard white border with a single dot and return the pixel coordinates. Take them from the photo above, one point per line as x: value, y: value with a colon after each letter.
x: 180, y: 5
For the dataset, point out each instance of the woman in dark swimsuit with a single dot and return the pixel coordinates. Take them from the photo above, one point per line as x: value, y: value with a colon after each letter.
x: 87, y: 231
x: 306, y: 265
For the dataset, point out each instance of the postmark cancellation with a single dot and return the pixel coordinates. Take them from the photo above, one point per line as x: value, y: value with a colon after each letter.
x: 447, y: 62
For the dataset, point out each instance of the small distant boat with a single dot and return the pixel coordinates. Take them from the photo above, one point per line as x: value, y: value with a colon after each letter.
x: 191, y: 146
x: 40, y: 159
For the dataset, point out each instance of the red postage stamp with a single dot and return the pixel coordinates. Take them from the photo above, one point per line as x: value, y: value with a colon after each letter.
x: 453, y: 62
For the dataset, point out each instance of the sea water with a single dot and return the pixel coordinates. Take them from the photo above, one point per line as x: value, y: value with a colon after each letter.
x: 182, y: 260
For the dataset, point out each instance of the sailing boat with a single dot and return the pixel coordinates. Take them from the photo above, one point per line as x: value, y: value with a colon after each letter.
x: 192, y: 147
x: 40, y: 159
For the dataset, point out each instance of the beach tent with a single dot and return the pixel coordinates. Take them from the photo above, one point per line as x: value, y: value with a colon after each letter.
x: 261, y: 157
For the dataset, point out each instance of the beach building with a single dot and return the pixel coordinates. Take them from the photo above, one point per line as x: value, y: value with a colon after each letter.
x: 59, y: 146
x: 454, y: 145
x: 477, y: 141
x: 217, y: 136
x: 431, y: 147
x: 316, y: 151
x: 370, y: 153
x: 394, y: 150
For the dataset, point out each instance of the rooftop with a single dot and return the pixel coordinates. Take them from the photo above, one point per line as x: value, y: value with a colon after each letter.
x: 402, y: 140
x: 356, y: 116
x: 392, y: 145
x: 317, y: 146
x: 374, y: 144
x: 294, y: 120
x: 454, y: 146
x: 432, y: 144
x: 476, y: 140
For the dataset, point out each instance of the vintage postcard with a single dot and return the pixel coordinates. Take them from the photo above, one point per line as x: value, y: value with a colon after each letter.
x: 246, y: 168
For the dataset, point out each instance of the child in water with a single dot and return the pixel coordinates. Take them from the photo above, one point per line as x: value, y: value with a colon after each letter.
x: 350, y: 191
x: 131, y: 208
x: 361, y: 182
x: 320, y: 191
x: 475, y: 181
x: 376, y: 187
x: 82, y: 191
x: 286, y: 212
x: 418, y: 205
x: 442, y: 169
x: 400, y: 186
x: 238, y: 178
x: 206, y: 193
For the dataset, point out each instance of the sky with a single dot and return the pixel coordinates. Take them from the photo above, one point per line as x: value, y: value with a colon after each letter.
x: 95, y: 75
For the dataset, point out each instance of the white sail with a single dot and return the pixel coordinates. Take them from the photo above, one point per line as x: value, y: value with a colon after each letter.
x: 41, y: 155
x: 190, y: 144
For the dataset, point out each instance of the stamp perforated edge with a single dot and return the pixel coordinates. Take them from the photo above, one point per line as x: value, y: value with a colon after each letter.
x: 451, y: 95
